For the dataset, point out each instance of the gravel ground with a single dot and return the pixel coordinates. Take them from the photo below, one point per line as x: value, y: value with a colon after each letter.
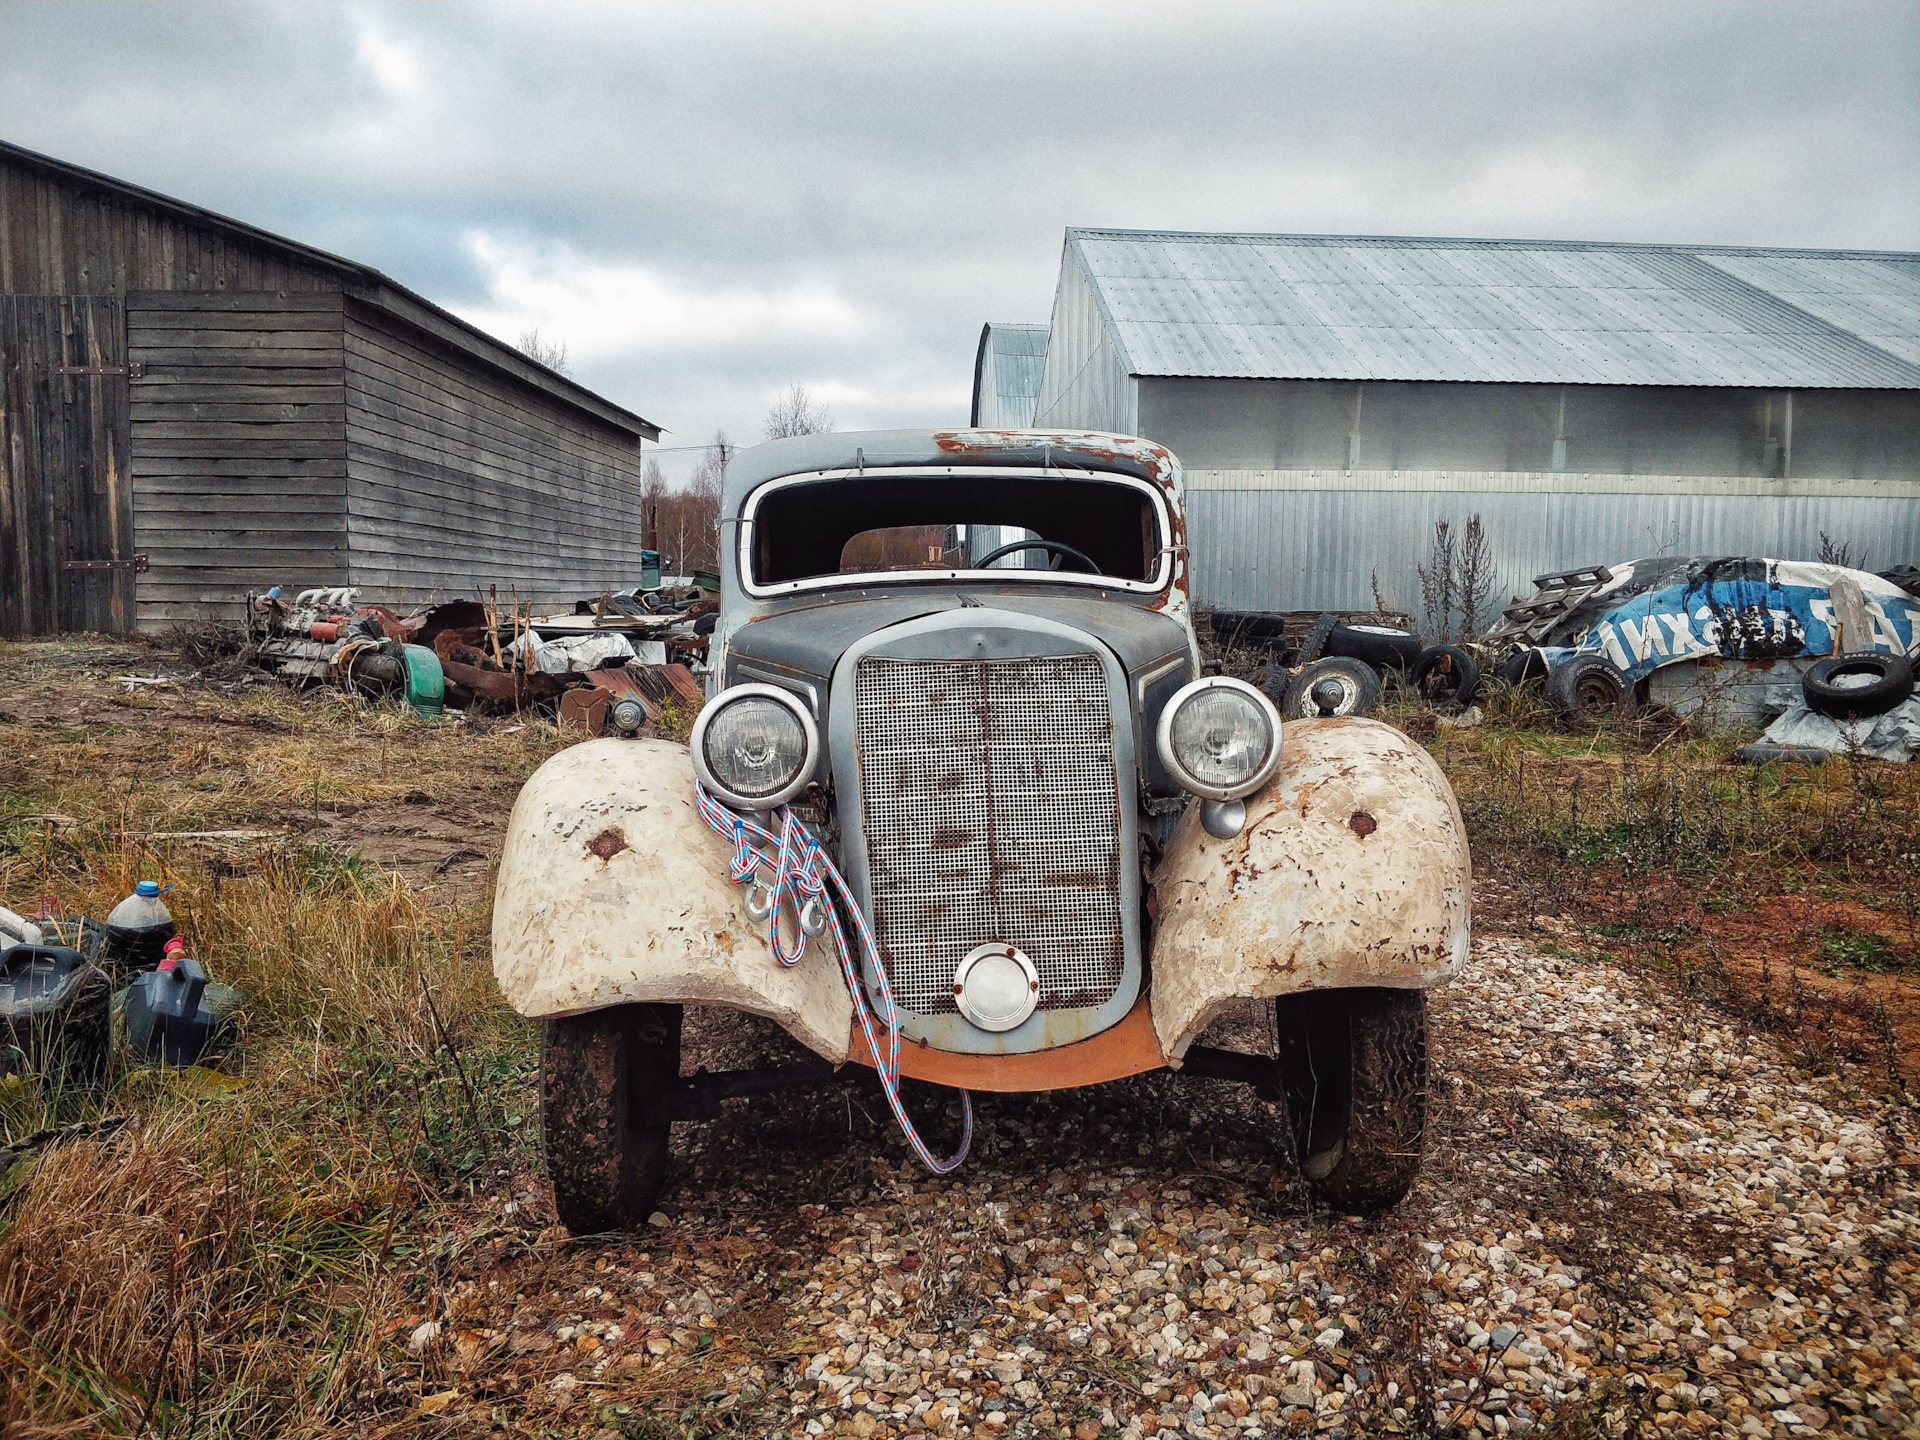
x: 1632, y: 1217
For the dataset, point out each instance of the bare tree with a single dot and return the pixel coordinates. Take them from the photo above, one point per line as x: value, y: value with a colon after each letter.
x: 653, y: 489
x: 1833, y: 552
x: 1474, y: 583
x: 796, y: 413
x: 1438, y: 579
x: 550, y: 353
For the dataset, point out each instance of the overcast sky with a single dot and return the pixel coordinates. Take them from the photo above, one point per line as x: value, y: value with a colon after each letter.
x: 709, y: 202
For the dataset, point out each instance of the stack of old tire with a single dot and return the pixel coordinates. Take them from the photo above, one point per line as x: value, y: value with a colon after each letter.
x: 1342, y: 668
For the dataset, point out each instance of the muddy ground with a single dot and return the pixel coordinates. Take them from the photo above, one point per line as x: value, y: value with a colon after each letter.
x: 1641, y: 1210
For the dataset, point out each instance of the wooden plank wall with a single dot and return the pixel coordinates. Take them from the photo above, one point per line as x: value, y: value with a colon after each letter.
x: 458, y: 478
x: 239, y: 447
x: 65, y: 237
x: 64, y: 492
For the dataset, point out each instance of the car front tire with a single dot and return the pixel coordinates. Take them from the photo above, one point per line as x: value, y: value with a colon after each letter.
x: 599, y: 1074
x: 1353, y: 1069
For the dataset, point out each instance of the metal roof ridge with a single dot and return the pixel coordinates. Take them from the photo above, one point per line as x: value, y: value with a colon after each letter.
x: 1242, y: 237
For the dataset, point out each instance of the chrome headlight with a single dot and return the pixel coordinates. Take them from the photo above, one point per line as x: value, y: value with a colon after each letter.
x: 755, y: 746
x: 1220, y: 738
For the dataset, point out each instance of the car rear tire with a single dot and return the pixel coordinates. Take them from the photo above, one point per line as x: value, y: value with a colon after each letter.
x: 1381, y: 646
x: 1852, y: 687
x: 1353, y: 1072
x: 599, y: 1073
x: 1447, y: 675
x: 1357, y: 684
x: 1591, y: 690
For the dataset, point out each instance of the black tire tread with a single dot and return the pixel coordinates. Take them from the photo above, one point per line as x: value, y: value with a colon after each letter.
x: 1315, y: 645
x: 1841, y: 703
x: 1353, y: 1067
x: 597, y: 1072
x: 1465, y: 670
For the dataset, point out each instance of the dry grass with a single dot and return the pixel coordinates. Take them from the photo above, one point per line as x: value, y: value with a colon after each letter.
x: 231, y: 1260
x: 1788, y: 892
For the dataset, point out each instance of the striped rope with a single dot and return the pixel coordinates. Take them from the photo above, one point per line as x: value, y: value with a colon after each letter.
x: 801, y: 874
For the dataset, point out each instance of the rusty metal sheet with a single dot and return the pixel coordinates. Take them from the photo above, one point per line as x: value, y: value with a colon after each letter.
x: 1352, y: 870
x: 1128, y: 1048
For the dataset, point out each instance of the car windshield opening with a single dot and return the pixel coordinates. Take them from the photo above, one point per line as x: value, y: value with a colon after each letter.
x: 869, y: 524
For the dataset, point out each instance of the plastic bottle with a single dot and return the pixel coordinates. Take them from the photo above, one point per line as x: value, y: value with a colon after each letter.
x: 137, y: 930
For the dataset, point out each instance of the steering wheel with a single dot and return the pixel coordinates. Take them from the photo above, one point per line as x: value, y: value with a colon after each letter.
x: 1066, y: 551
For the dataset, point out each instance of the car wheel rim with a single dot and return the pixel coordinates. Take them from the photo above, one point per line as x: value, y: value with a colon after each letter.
x: 1596, y: 691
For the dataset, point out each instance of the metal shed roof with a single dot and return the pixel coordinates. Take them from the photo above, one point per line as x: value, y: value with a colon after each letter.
x: 1019, y: 354
x: 1315, y: 307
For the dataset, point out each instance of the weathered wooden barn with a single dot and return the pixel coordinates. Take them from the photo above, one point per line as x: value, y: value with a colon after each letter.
x: 194, y: 409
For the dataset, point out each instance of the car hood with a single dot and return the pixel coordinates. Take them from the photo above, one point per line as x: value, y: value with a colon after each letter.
x: 810, y: 639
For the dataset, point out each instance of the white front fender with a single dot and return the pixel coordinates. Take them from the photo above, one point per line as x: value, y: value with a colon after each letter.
x: 613, y: 889
x: 1352, y: 870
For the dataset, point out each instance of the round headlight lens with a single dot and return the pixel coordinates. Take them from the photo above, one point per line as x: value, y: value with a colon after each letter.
x: 1220, y: 738
x: 754, y: 747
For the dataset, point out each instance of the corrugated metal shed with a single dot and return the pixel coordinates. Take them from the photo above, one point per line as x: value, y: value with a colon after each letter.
x: 1006, y: 375
x: 1514, y: 311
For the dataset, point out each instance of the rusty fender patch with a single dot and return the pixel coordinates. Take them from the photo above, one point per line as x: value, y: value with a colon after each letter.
x: 1362, y: 824
x: 607, y: 844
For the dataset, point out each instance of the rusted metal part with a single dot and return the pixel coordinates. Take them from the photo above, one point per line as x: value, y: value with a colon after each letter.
x: 1352, y: 871
x: 583, y: 711
x: 1091, y: 450
x: 1128, y: 1048
x: 612, y: 889
x: 454, y: 615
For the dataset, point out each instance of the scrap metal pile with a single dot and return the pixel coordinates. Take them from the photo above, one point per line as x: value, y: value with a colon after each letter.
x: 616, y: 662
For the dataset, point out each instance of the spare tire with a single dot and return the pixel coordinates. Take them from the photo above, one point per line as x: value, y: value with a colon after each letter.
x: 1589, y: 688
x: 1381, y: 646
x: 1522, y: 667
x: 1447, y: 675
x: 1849, y: 687
x: 1315, y: 645
x: 1338, y: 685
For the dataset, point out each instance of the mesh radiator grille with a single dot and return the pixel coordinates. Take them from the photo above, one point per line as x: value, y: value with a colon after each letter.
x: 992, y: 812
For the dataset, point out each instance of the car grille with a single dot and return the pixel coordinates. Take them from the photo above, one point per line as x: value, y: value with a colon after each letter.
x: 991, y: 812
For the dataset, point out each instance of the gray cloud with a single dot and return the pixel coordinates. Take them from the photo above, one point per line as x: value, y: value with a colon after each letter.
x: 710, y: 201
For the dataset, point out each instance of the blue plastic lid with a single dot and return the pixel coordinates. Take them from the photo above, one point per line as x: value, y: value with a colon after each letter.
x: 148, y: 888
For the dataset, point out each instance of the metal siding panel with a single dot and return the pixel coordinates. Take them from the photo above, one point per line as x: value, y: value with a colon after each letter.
x: 1311, y: 550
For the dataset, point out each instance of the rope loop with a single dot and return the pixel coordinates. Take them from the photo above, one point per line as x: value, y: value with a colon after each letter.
x: 804, y: 876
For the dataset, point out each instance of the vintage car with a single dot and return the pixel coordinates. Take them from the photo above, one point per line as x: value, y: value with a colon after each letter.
x: 962, y: 665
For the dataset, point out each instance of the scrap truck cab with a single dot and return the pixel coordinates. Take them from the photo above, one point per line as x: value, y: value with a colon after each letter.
x: 961, y: 806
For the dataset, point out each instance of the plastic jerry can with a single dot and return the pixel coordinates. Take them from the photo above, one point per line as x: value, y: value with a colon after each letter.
x: 55, y: 1013
x: 172, y: 1013
x: 138, y: 930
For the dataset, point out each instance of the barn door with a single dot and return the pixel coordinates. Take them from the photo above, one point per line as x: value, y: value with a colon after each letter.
x: 66, y: 503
